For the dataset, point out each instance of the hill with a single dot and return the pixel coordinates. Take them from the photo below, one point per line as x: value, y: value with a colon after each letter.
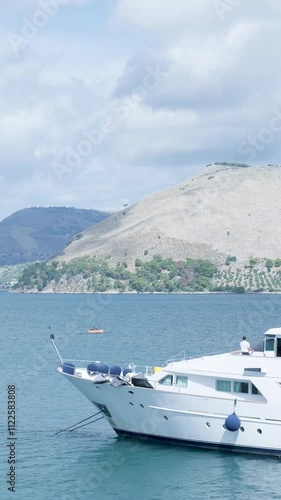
x: 224, y: 210
x: 39, y: 233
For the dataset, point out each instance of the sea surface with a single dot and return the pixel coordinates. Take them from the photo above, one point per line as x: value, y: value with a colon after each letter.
x: 92, y: 463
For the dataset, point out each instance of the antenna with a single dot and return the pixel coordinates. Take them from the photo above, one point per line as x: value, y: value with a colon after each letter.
x: 52, y: 337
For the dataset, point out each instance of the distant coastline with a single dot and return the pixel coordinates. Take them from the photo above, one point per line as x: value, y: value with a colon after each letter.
x: 158, y: 275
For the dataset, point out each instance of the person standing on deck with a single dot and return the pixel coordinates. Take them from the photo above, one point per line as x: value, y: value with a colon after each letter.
x: 245, y: 346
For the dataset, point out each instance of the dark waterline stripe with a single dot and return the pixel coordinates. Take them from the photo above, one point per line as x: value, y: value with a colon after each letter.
x: 199, y: 444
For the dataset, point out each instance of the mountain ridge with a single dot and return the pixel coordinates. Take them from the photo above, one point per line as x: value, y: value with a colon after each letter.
x: 225, y: 209
x: 38, y: 233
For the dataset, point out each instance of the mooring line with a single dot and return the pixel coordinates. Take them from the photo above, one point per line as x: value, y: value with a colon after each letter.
x: 86, y: 424
x: 80, y: 421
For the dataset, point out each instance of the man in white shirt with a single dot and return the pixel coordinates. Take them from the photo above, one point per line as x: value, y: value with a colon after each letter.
x: 245, y: 346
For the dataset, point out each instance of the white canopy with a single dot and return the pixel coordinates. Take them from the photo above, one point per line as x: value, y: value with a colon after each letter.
x: 273, y: 331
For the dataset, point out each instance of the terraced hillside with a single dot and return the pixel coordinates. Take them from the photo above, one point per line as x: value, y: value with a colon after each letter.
x: 160, y: 275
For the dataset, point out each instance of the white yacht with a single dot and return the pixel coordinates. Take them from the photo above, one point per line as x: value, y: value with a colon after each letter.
x: 228, y: 401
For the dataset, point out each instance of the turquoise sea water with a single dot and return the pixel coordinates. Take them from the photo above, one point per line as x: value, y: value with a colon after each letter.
x: 92, y: 462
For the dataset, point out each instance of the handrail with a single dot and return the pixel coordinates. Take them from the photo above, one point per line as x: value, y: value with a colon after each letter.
x: 176, y: 357
x: 72, y: 360
x: 146, y: 369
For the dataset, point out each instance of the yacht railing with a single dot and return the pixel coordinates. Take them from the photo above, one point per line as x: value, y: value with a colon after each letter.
x: 136, y: 368
x: 180, y: 356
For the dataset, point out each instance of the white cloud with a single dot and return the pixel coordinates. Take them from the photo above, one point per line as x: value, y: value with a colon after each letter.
x: 219, y: 83
x: 160, y: 17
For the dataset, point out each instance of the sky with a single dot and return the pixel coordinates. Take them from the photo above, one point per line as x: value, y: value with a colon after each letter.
x: 105, y: 101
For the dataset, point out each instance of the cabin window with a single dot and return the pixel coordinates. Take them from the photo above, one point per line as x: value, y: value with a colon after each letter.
x: 242, y: 387
x: 223, y: 385
x: 269, y: 345
x: 255, y: 390
x: 168, y: 380
x: 181, y: 381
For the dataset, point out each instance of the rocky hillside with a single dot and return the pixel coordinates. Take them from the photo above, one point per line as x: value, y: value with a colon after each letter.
x: 39, y: 233
x: 224, y: 210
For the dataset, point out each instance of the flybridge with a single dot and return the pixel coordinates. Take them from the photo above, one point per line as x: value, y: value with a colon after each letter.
x: 272, y: 342
x: 270, y: 346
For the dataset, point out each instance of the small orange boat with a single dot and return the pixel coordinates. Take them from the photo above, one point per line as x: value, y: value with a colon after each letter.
x: 95, y: 330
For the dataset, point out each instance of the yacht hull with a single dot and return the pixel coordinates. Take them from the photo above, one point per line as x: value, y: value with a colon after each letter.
x: 185, y: 419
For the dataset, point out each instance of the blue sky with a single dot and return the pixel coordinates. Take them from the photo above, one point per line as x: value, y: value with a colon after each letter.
x: 105, y: 101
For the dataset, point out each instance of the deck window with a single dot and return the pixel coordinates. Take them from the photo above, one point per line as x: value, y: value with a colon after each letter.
x: 255, y: 390
x: 269, y: 345
x: 223, y: 385
x: 242, y: 387
x: 168, y: 380
x: 181, y: 381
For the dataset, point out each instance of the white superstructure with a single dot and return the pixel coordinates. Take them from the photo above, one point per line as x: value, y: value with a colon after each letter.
x: 229, y: 400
